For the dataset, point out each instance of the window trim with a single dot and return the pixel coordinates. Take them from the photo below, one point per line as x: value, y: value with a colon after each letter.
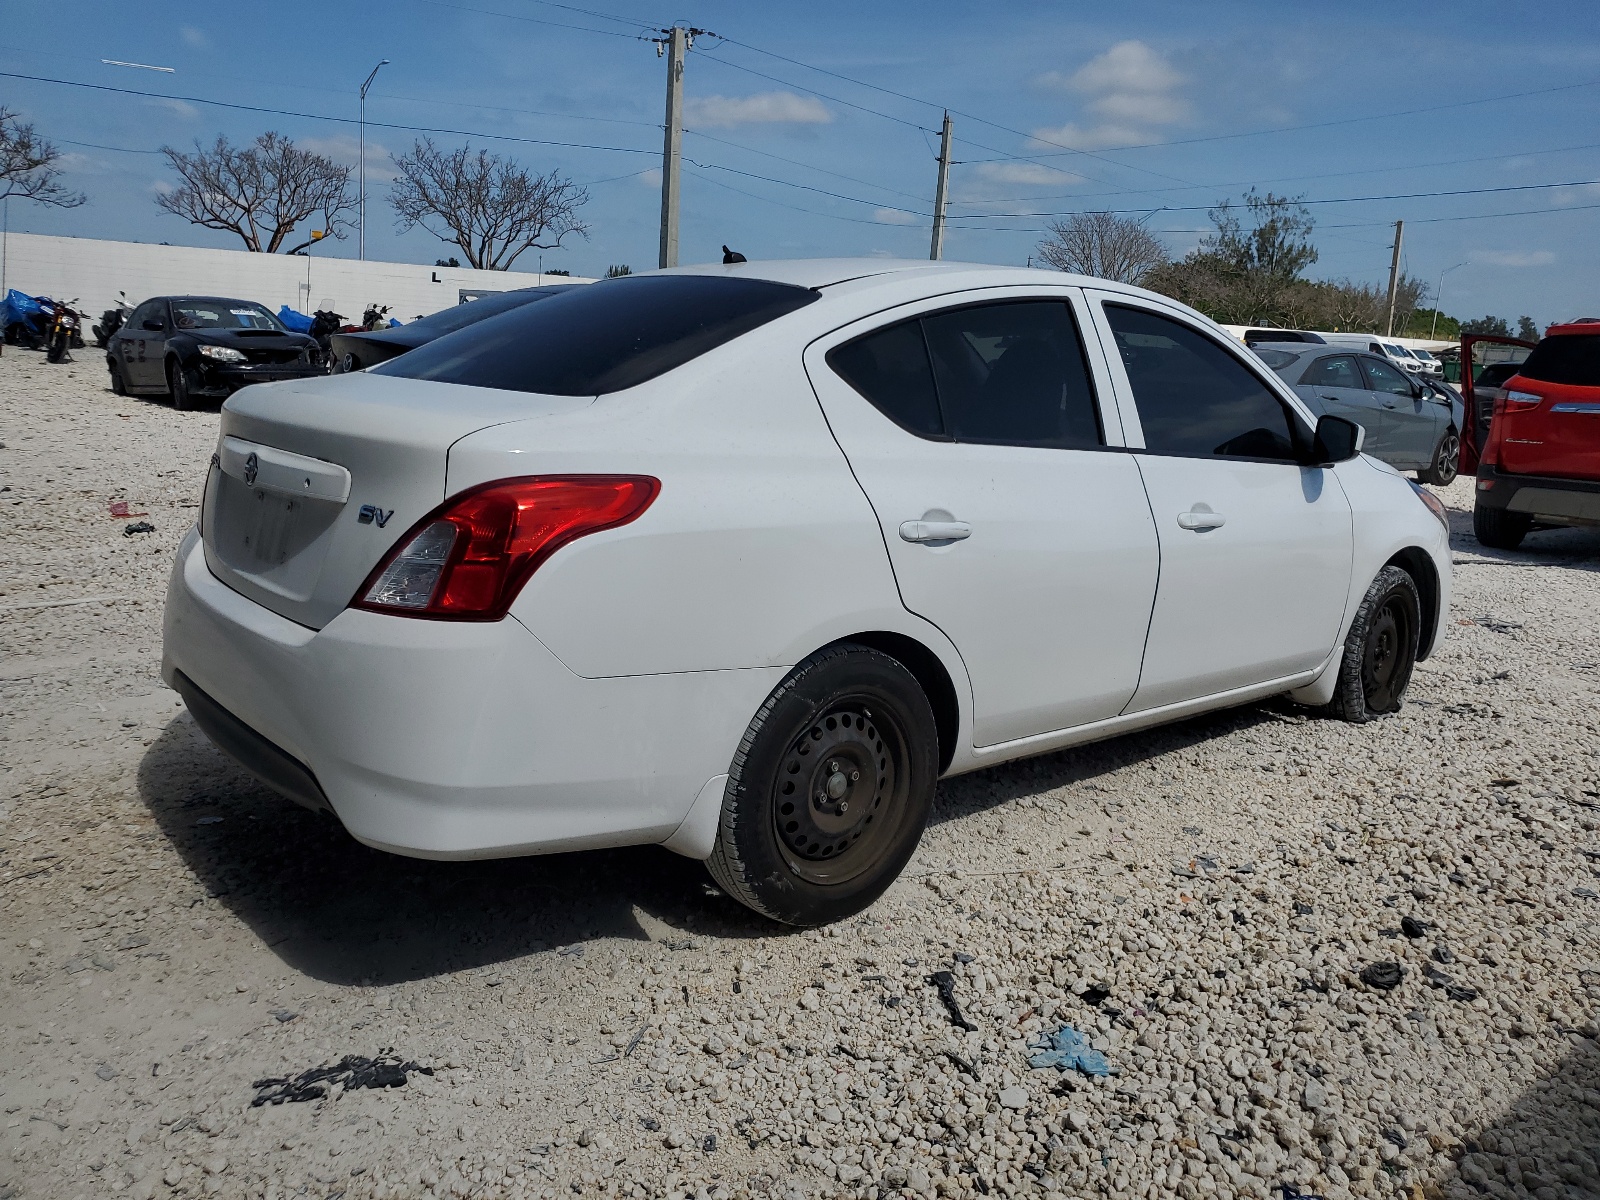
x: 1101, y: 383
x: 1353, y: 356
x: 1301, y: 421
x: 1372, y: 385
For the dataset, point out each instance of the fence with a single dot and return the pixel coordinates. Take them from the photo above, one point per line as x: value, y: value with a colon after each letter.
x: 94, y: 271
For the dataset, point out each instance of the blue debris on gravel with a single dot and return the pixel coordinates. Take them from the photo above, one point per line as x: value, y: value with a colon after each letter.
x: 1066, y: 1049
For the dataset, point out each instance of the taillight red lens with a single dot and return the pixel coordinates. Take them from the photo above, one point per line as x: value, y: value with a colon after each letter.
x: 468, y: 559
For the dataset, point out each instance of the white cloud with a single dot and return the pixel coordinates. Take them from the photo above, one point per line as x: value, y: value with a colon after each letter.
x: 194, y: 38
x: 1584, y: 193
x: 1026, y: 172
x: 345, y: 149
x: 651, y: 178
x: 1514, y: 258
x: 764, y: 108
x: 181, y: 108
x: 896, y: 216
x: 1132, y: 91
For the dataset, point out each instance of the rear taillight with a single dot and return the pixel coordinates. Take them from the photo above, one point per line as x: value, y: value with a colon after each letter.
x: 468, y: 559
x: 1522, y: 400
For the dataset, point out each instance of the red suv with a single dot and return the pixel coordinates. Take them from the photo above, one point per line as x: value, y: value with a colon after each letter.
x: 1541, y: 462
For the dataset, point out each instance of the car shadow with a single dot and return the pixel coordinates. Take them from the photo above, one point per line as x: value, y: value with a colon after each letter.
x: 344, y: 913
x: 1547, y: 1143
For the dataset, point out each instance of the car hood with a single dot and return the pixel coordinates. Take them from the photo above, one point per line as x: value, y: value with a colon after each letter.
x: 248, y: 339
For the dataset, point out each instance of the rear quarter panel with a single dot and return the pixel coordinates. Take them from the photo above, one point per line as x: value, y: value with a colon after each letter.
x: 760, y: 548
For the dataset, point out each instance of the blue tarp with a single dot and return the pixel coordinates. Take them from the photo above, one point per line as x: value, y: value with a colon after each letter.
x: 294, y: 322
x: 19, y: 307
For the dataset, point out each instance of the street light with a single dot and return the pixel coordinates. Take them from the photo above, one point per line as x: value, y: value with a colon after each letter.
x: 1437, y: 292
x: 361, y: 251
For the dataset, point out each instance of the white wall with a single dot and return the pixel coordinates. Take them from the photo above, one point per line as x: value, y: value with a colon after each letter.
x: 93, y: 271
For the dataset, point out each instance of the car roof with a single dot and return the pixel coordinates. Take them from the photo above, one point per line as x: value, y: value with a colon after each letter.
x: 831, y: 272
x: 1586, y: 327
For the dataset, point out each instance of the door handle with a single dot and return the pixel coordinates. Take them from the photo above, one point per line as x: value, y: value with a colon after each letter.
x: 1325, y: 396
x: 934, y: 531
x: 1390, y: 404
x: 1201, y: 520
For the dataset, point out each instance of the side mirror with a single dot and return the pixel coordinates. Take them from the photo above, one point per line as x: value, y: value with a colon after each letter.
x: 155, y: 326
x: 1336, y: 441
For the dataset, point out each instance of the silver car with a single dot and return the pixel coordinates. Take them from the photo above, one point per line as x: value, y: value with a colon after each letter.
x: 1412, y: 423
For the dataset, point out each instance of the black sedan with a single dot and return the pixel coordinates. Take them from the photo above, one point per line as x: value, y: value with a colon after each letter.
x: 356, y: 351
x: 189, y: 347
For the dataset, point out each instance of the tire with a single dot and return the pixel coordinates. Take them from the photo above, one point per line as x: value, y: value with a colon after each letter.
x: 1380, y: 650
x: 1446, y: 460
x: 56, y: 348
x: 119, y: 386
x: 788, y: 845
x: 1498, y: 528
x: 178, y: 386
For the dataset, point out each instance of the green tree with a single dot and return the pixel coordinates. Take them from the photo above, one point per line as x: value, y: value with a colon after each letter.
x: 1493, y: 325
x: 1527, y: 329
x: 618, y: 270
x: 1249, y: 271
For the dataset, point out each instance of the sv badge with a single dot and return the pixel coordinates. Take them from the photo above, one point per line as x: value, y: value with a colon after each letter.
x: 371, y: 514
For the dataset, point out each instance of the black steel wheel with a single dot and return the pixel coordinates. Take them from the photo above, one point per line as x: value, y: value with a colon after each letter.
x: 119, y: 386
x: 1441, y: 471
x: 1380, y: 650
x: 178, y: 386
x: 830, y: 789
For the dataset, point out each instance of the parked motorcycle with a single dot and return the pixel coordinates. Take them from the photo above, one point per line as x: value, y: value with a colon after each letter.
x: 375, y: 317
x: 111, y: 320
x: 324, y: 324
x: 63, y: 335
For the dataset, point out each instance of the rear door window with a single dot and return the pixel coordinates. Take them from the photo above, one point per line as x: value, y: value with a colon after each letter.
x: 1011, y: 374
x: 1336, y: 371
x: 1566, y: 358
x: 601, y: 337
x: 1194, y: 398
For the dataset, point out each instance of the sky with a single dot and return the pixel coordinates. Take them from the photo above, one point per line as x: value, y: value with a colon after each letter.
x: 813, y: 129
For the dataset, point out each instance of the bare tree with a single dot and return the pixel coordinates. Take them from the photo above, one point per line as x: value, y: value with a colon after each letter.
x: 491, y: 207
x: 28, y: 166
x: 1104, y: 245
x: 261, y: 191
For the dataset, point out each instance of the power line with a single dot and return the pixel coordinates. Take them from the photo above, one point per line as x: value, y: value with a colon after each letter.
x: 1516, y: 187
x: 796, y: 162
x: 793, y: 207
x: 704, y: 166
x: 282, y: 112
x: 1449, y: 162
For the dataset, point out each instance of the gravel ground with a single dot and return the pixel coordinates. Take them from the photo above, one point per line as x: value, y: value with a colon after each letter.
x: 1202, y: 901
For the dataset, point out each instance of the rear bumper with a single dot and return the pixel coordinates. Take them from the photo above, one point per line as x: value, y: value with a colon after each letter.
x: 1557, y: 501
x: 447, y: 739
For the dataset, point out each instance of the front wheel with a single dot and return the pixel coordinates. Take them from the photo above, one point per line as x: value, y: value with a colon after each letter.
x: 1380, y: 649
x: 1442, y: 469
x: 119, y: 386
x: 1499, y: 528
x: 178, y: 386
x: 829, y: 790
x: 57, y: 350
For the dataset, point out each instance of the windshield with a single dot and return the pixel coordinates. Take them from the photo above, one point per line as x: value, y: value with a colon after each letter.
x: 1566, y: 358
x: 1397, y: 351
x: 1423, y: 355
x: 601, y: 337
x: 223, y: 314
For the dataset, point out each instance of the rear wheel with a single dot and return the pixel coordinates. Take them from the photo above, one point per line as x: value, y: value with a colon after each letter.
x: 119, y: 386
x: 829, y: 790
x: 1441, y: 470
x: 1380, y: 649
x: 178, y: 386
x: 1498, y: 528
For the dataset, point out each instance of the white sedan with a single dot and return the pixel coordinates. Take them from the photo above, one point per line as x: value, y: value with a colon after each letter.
x: 742, y: 559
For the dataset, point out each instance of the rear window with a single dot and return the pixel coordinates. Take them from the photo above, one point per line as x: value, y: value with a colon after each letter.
x: 1566, y: 358
x: 601, y: 337
x: 451, y: 319
x: 1276, y: 359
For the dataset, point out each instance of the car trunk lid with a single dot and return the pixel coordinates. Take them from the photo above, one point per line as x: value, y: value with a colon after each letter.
x: 313, y: 482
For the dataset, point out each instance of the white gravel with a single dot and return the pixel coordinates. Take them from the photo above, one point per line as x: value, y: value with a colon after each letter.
x: 605, y: 1024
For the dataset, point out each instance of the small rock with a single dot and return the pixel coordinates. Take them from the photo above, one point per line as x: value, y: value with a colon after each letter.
x: 1316, y: 1096
x: 1014, y: 1097
x: 216, y: 1165
x: 1078, y: 1120
x: 586, y: 1138
x: 106, y: 1072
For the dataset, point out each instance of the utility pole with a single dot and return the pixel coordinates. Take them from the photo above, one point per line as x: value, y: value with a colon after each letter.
x: 361, y: 241
x: 942, y: 192
x: 1394, y: 276
x: 675, y: 44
